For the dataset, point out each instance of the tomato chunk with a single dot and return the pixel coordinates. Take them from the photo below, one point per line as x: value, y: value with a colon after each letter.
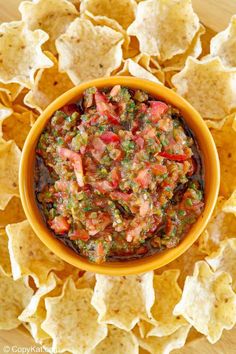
x: 175, y: 157
x: 69, y: 109
x: 76, y: 161
x: 143, y: 178
x: 109, y: 137
x: 105, y: 108
x: 80, y: 235
x: 157, y: 109
x: 59, y: 224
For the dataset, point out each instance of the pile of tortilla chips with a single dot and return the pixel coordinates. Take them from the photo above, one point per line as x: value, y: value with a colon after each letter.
x: 59, y: 44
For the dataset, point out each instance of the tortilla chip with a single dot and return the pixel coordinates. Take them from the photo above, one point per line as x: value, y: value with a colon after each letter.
x: 5, y: 264
x: 117, y: 342
x: 87, y: 52
x: 4, y: 113
x: 164, y: 27
x: 35, y: 312
x: 185, y: 263
x: 136, y: 70
x: 13, y: 213
x: 87, y: 280
x: 194, y: 50
x: 23, y: 56
x: 51, y: 16
x: 225, y: 140
x: 71, y: 320
x: 230, y: 205
x: 223, y: 44
x: 122, y: 301
x: 215, y: 124
x: 208, y: 302
x: 165, y: 345
x: 224, y: 258
x: 11, y: 90
x: 9, y: 168
x: 14, y: 296
x: 29, y: 256
x: 167, y: 295
x: 207, y: 79
x: 49, y: 84
x: 113, y: 9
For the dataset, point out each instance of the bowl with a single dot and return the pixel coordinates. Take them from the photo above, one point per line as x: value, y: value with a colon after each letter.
x: 211, y: 171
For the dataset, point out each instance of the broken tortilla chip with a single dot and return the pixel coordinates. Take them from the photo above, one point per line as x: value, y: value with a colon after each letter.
x: 5, y: 264
x: 136, y: 70
x: 11, y: 90
x: 71, y: 320
x: 230, y: 204
x: 123, y: 300
x: 23, y: 56
x: 36, y: 261
x: 51, y: 16
x: 87, y: 52
x: 164, y: 27
x: 4, y: 113
x: 14, y: 296
x: 12, y: 213
x: 207, y: 78
x: 208, y: 302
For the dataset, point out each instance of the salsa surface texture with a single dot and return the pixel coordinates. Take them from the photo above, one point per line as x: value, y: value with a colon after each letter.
x: 118, y: 175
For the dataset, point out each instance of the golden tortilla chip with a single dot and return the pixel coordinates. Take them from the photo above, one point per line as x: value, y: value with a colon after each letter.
x: 49, y: 84
x: 165, y: 345
x: 167, y: 295
x: 185, y: 263
x: 136, y: 70
x: 194, y: 50
x: 5, y: 264
x: 215, y: 124
x: 122, y: 301
x: 51, y: 16
x: 14, y: 296
x: 223, y: 45
x: 12, y: 213
x: 117, y: 342
x: 230, y: 205
x: 208, y: 86
x: 71, y: 320
x: 208, y: 302
x: 9, y: 169
x: 29, y: 256
x: 23, y: 56
x: 87, y: 52
x: 164, y: 27
x: 122, y: 11
x: 4, y: 113
x: 11, y: 90
x: 225, y: 140
x: 224, y: 258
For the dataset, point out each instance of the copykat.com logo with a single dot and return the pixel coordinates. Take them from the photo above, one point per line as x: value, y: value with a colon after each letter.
x: 17, y: 349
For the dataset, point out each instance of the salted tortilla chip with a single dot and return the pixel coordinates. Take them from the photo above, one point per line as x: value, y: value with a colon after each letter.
x: 208, y: 302
x: 164, y: 27
x: 185, y: 263
x: 136, y: 70
x: 29, y: 256
x: 12, y: 213
x: 23, y: 56
x: 194, y: 50
x: 113, y: 9
x: 11, y: 90
x: 122, y: 301
x: 4, y: 113
x: 215, y: 124
x: 117, y: 342
x: 208, y: 86
x: 71, y: 320
x: 35, y: 312
x: 165, y: 344
x: 167, y: 295
x: 224, y: 258
x: 49, y: 84
x: 225, y: 140
x: 87, y: 52
x: 223, y: 44
x: 9, y: 169
x: 5, y: 264
x: 51, y: 16
x: 221, y: 226
x: 230, y: 204
x: 14, y: 296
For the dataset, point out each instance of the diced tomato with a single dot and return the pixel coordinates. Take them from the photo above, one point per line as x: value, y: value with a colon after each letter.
x: 165, y: 124
x: 99, y: 148
x: 78, y: 168
x: 105, y: 108
x: 109, y: 137
x: 115, y: 177
x: 61, y: 186
x: 76, y: 160
x: 80, y: 235
x: 116, y: 195
x: 115, y: 90
x: 103, y: 186
x: 142, y: 250
x: 67, y: 154
x: 69, y: 109
x: 143, y: 178
x: 100, y: 253
x: 174, y: 157
x: 142, y: 108
x: 144, y: 208
x: 157, y: 109
x: 158, y: 169
x: 60, y: 225
x: 139, y: 141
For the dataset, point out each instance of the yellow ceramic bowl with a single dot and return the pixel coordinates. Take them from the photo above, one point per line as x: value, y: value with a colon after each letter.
x: 210, y: 160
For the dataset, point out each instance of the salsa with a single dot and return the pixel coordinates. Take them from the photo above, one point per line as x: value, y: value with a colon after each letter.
x: 118, y: 175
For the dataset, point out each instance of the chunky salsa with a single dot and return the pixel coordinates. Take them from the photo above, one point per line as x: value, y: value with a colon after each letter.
x: 118, y: 175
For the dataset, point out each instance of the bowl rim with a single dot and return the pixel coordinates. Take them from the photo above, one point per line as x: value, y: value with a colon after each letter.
x: 126, y: 267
